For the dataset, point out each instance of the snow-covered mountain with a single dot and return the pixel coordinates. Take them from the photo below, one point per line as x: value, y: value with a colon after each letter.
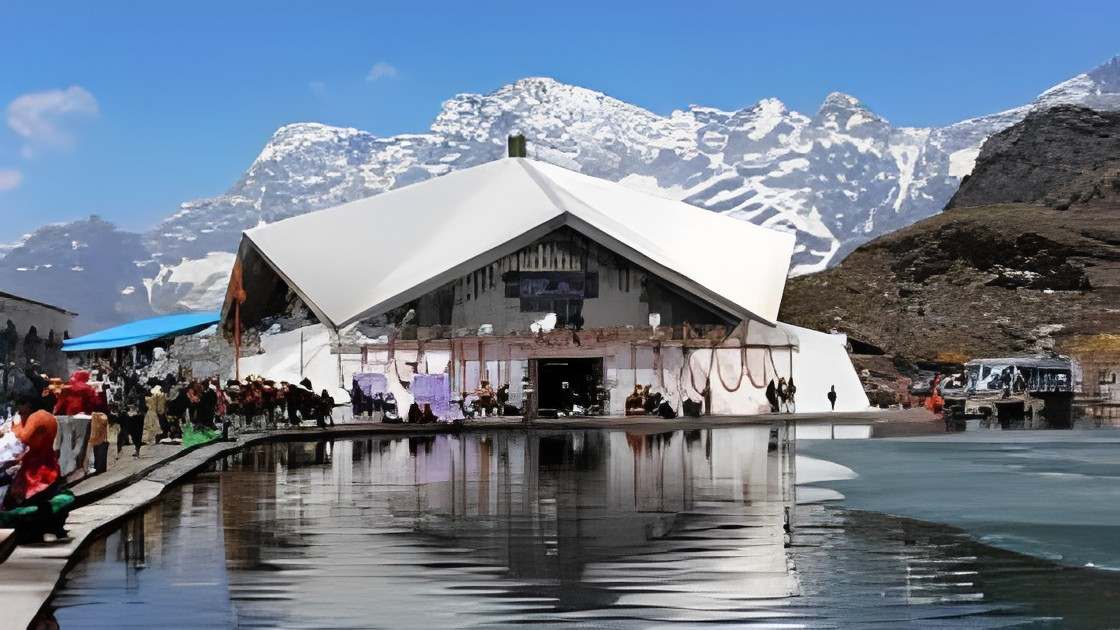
x: 836, y: 178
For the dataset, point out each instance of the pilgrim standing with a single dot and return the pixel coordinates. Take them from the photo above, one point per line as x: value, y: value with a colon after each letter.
x: 207, y: 405
x: 175, y: 409
x: 772, y: 396
x: 357, y: 398
x: 132, y: 419
x: 157, y: 409
x: 291, y: 402
x: 326, y: 411
x: 503, y: 399
x: 832, y: 397
x: 99, y: 440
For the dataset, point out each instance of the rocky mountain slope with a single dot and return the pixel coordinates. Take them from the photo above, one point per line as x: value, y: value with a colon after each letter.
x: 88, y: 265
x: 1025, y: 259
x: 1036, y: 162
x: 836, y: 178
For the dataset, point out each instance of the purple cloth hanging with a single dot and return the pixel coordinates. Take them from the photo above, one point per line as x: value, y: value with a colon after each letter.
x: 435, y: 390
x: 372, y: 383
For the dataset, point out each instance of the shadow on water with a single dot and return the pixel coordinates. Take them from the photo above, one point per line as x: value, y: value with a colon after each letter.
x: 576, y: 528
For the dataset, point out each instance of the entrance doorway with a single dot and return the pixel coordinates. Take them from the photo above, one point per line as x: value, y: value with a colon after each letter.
x: 564, y: 383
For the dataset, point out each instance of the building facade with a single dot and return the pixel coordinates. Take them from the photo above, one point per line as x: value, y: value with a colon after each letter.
x: 529, y: 276
x: 32, y: 332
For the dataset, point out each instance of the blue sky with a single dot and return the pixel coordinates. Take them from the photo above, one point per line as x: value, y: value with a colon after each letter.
x: 128, y: 109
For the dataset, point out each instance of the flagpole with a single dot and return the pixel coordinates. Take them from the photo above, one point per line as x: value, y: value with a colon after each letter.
x: 237, y: 340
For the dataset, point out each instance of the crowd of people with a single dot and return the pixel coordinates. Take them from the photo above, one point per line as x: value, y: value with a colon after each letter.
x: 483, y: 401
x: 642, y: 401
x: 374, y: 405
x: 780, y: 395
x: 129, y: 410
x: 259, y: 401
x: 486, y: 401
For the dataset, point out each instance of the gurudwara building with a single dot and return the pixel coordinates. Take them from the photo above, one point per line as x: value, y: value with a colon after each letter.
x: 528, y: 275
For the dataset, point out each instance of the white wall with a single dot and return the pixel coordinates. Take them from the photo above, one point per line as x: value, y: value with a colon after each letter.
x: 281, y: 360
x: 821, y: 362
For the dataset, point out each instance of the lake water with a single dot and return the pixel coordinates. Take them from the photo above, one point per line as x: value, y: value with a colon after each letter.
x: 585, y: 529
x: 1051, y: 494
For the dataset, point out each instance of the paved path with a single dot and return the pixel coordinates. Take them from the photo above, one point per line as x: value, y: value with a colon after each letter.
x: 31, y: 572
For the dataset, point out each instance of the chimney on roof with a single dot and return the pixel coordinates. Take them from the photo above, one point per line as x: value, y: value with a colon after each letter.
x: 516, y: 145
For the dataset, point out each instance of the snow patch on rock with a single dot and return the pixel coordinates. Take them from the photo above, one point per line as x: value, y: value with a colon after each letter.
x: 198, y: 284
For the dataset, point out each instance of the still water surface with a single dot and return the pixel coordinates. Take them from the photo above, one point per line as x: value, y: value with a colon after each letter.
x: 585, y: 529
x: 1050, y: 494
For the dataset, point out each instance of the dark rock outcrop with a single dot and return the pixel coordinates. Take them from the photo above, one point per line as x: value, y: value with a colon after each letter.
x: 1004, y: 269
x: 1058, y: 157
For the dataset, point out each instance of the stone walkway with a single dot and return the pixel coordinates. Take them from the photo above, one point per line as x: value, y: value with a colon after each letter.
x: 31, y: 572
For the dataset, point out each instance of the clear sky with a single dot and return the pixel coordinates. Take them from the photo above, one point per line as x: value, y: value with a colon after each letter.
x: 128, y: 109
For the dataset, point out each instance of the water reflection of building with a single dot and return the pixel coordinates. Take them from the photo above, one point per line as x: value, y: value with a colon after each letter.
x: 252, y: 492
x: 507, y: 526
x: 560, y: 508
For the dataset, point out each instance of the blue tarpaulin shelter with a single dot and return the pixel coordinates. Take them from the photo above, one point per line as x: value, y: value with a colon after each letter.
x: 143, y: 330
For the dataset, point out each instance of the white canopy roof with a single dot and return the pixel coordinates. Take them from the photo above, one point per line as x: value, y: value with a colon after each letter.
x: 371, y: 255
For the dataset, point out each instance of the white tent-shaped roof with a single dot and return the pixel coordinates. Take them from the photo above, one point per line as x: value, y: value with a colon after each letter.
x: 406, y: 242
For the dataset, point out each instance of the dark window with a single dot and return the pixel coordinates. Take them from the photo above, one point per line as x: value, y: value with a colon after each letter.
x: 591, y: 285
x: 560, y: 292
x: 512, y: 281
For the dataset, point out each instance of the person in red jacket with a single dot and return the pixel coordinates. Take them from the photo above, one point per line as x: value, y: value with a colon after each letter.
x: 77, y: 397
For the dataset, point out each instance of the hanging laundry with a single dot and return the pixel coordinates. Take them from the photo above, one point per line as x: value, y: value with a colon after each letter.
x: 434, y: 390
x: 368, y: 388
x: 372, y: 383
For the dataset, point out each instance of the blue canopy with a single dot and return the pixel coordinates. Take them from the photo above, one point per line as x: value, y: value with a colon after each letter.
x: 143, y: 330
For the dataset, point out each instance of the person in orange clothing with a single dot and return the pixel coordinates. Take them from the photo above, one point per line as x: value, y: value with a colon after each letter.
x: 38, y: 469
x: 99, y: 441
x: 935, y: 402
